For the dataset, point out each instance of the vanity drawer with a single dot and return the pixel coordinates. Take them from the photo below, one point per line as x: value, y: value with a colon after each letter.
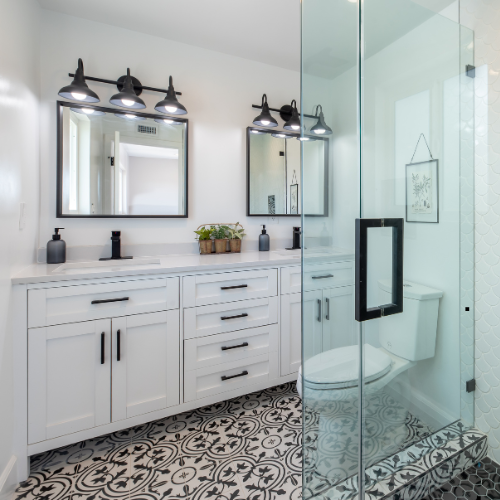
x: 317, y: 276
x: 220, y: 318
x: 206, y: 289
x: 225, y: 348
x: 70, y: 304
x: 205, y: 382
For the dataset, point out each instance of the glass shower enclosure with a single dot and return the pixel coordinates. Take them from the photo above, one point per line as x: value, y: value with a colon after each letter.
x: 387, y: 284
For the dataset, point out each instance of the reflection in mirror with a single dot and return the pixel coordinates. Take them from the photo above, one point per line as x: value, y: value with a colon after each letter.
x: 274, y: 173
x: 121, y: 165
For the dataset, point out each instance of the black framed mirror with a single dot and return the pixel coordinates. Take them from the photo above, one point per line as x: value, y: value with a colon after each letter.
x: 274, y: 174
x: 120, y: 164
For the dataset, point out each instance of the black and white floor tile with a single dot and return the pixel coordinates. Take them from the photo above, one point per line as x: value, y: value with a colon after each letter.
x: 247, y: 448
x: 481, y: 481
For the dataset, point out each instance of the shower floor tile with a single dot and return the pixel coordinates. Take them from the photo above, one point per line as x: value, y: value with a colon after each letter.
x: 481, y: 481
x: 247, y: 448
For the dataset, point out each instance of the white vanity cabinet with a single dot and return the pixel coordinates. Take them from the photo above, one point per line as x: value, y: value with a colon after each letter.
x: 328, y: 310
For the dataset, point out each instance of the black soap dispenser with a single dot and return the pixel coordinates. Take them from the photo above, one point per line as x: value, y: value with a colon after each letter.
x: 56, y: 248
x: 264, y: 240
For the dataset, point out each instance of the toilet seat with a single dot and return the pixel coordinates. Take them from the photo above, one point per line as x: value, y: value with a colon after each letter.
x: 339, y: 368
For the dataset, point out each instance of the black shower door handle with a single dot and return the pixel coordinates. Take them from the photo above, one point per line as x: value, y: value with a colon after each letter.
x: 362, y: 311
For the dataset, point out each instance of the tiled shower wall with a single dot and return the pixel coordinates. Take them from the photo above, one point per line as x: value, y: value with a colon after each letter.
x: 483, y: 16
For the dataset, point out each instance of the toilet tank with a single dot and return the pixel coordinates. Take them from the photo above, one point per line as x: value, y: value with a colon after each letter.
x: 411, y: 334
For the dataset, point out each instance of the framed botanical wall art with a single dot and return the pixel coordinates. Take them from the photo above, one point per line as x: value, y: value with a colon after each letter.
x: 422, y: 192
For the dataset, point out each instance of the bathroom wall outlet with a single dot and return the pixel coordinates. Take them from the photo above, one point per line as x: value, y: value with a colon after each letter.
x: 22, y: 215
x: 273, y: 220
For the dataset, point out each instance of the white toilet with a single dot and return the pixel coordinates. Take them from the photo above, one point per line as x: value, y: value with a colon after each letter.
x: 404, y: 338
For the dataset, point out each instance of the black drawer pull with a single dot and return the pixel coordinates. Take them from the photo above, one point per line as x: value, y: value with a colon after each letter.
x: 244, y: 315
x: 118, y: 346
x: 242, y: 374
x: 103, y: 336
x: 105, y: 301
x: 245, y: 344
x: 323, y: 277
x: 232, y: 287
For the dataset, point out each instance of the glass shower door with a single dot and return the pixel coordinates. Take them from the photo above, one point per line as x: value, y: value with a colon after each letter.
x: 387, y: 338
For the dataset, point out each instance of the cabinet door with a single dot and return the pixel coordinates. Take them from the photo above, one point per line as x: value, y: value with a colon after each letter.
x: 291, y: 338
x: 338, y: 317
x: 145, y: 363
x: 69, y: 378
x: 312, y: 322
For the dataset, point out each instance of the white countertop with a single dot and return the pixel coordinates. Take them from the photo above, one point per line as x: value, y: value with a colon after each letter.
x: 166, y: 264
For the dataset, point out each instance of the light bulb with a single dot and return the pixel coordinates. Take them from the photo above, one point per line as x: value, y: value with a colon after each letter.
x: 130, y: 116
x: 127, y: 102
x: 320, y: 131
x: 168, y: 121
x: 171, y: 109
x: 295, y: 127
x: 280, y: 135
x: 78, y: 96
x: 303, y: 138
x: 265, y: 122
x: 88, y: 111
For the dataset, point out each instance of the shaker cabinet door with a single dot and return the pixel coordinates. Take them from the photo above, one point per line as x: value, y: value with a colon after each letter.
x: 145, y: 359
x: 338, y: 318
x: 69, y: 379
x: 291, y: 339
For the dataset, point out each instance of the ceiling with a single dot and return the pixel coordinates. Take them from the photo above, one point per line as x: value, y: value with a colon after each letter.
x: 268, y: 31
x: 261, y: 30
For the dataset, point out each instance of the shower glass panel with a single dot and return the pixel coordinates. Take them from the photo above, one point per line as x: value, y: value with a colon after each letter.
x: 387, y: 290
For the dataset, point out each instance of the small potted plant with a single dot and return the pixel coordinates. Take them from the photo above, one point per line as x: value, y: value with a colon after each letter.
x: 204, y: 239
x: 235, y: 237
x: 220, y: 237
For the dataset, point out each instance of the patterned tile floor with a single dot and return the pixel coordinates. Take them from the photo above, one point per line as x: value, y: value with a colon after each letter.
x: 247, y: 448
x: 482, y: 481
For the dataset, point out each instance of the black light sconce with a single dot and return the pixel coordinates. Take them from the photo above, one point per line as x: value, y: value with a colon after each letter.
x: 78, y: 90
x: 170, y: 104
x: 88, y: 111
x: 264, y: 119
x: 321, y: 128
x: 293, y: 123
x: 281, y: 135
x: 129, y: 116
x: 129, y: 90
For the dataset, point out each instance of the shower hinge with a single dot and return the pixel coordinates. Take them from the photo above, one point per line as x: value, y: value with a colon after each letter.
x: 470, y: 71
x: 112, y: 160
x: 470, y: 385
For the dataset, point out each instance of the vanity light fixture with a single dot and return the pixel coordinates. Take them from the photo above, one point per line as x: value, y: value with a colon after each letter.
x: 265, y: 119
x: 256, y: 131
x: 168, y: 121
x: 127, y: 97
x: 294, y: 122
x: 281, y: 135
x: 321, y: 128
x: 88, y: 111
x: 170, y: 104
x: 78, y: 90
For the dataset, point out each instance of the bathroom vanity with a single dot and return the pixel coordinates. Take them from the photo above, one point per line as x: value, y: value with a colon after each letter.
x: 104, y: 346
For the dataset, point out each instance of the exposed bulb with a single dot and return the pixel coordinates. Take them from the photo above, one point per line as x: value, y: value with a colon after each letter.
x: 127, y: 102
x: 280, y: 135
x: 295, y: 127
x: 320, y: 131
x: 88, y: 111
x: 169, y: 122
x: 78, y: 96
x: 171, y: 109
x: 303, y: 138
x: 132, y: 117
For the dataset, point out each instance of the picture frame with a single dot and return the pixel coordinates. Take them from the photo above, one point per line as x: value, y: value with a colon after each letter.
x: 294, y: 199
x: 422, y: 192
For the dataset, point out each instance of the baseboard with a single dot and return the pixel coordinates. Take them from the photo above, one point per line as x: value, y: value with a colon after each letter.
x: 419, y: 405
x: 8, y: 480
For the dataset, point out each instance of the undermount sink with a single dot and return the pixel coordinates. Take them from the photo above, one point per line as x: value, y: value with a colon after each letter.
x: 102, y: 264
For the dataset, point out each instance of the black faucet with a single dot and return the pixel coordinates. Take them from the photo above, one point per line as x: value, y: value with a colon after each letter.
x: 297, y: 233
x: 115, y: 247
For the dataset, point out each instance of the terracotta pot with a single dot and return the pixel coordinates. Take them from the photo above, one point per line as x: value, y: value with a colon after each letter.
x: 205, y: 246
x: 235, y: 245
x: 220, y: 246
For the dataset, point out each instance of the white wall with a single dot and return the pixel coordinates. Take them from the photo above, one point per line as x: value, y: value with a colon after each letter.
x: 19, y: 157
x: 483, y: 17
x: 218, y: 91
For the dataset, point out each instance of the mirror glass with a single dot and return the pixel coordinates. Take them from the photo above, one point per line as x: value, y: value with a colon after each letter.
x: 117, y: 165
x: 274, y: 173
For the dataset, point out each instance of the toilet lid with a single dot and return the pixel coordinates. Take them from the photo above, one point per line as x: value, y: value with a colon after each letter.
x: 339, y: 368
